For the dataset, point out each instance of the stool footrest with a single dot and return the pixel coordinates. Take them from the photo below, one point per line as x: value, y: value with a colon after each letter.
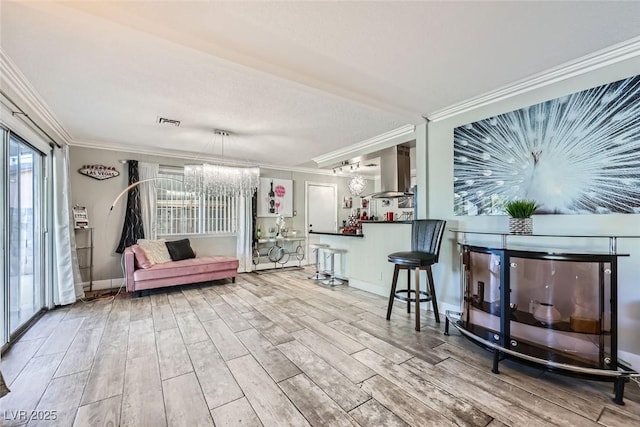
x: 409, y: 298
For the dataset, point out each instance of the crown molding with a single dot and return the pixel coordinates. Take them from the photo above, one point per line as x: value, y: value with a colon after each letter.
x: 384, y: 140
x: 594, y: 61
x: 186, y: 155
x: 29, y: 99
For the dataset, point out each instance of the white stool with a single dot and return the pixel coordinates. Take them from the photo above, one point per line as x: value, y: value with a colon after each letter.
x: 316, y: 248
x: 332, y: 252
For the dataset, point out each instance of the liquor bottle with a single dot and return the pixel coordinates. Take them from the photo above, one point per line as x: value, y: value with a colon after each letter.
x: 272, y: 200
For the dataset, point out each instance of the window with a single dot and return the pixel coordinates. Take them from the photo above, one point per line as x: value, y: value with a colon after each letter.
x: 181, y: 212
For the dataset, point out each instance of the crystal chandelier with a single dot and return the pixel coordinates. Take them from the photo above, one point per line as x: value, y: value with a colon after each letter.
x: 218, y: 180
x: 357, y: 185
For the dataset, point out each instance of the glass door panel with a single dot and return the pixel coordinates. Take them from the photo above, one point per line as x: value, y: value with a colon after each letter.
x: 560, y: 311
x: 25, y: 233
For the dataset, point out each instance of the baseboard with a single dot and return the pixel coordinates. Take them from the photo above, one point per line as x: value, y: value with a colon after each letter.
x: 369, y: 287
x: 103, y: 285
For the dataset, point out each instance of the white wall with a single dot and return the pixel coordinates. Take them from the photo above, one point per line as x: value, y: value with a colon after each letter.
x: 438, y: 159
x: 97, y: 197
x: 299, y: 178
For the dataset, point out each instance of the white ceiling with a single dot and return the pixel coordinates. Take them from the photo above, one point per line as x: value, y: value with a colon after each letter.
x: 290, y: 80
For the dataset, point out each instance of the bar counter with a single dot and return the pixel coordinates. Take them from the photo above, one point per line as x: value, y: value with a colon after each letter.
x: 365, y: 263
x: 327, y: 233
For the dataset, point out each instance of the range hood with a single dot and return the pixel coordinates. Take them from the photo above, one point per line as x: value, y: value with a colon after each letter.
x: 395, y: 173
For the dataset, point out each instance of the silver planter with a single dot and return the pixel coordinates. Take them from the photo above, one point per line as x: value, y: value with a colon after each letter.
x: 521, y: 225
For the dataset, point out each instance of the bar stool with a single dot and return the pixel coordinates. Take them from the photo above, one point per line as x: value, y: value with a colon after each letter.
x: 332, y: 252
x: 316, y: 248
x: 426, y: 238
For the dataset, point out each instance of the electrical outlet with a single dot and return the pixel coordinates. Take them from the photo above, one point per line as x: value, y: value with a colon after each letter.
x: 295, y: 212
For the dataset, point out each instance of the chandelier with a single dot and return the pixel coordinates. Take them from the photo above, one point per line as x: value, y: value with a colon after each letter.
x: 357, y: 185
x: 218, y: 180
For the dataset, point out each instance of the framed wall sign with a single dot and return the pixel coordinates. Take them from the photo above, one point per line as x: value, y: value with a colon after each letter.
x: 275, y: 197
x: 99, y: 172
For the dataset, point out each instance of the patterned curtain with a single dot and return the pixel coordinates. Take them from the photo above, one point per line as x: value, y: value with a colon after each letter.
x: 132, y: 229
x: 254, y: 215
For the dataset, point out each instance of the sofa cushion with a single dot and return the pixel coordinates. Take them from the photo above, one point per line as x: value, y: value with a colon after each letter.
x: 187, y: 267
x: 180, y: 249
x: 141, y: 257
x: 156, y: 250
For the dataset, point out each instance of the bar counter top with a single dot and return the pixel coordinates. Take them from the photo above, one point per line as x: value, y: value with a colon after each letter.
x: 336, y: 234
x: 386, y: 222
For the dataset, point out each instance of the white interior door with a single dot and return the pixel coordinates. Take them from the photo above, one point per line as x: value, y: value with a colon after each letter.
x: 322, y: 207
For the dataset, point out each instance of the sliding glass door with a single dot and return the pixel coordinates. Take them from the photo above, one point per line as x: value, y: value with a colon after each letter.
x: 23, y: 290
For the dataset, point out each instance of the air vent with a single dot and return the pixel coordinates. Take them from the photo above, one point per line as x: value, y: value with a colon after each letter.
x: 165, y: 121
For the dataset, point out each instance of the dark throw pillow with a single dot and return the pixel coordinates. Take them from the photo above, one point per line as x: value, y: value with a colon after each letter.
x: 180, y: 249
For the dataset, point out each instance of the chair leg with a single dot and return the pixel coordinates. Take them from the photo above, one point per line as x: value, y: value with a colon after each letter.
x: 392, y: 295
x: 417, y: 299
x: 408, y: 289
x: 432, y: 291
x: 317, y: 275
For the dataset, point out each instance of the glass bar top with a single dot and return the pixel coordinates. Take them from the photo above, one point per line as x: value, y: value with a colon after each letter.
x: 583, y: 235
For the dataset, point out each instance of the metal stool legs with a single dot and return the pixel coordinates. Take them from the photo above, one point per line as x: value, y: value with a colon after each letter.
x: 332, y: 281
x: 318, y: 275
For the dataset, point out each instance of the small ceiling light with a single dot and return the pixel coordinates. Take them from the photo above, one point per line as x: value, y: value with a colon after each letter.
x: 357, y: 185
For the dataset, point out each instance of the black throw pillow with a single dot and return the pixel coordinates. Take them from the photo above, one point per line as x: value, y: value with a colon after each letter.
x: 180, y: 249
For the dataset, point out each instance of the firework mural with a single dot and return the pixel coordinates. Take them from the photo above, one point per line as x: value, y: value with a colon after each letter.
x: 579, y: 154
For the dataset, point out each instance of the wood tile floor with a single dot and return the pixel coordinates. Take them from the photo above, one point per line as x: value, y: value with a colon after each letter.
x: 277, y: 350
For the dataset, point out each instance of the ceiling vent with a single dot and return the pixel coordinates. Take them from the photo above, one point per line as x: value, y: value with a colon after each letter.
x: 165, y: 121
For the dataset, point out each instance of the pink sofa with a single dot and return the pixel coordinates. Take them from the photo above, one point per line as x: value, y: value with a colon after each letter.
x: 172, y: 273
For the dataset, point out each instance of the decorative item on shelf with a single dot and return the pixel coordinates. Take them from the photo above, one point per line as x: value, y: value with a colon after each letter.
x: 218, y: 180
x: 520, y: 211
x: 80, y: 217
x: 547, y: 314
x: 357, y: 185
x: 585, y: 317
x: 281, y: 223
x: 99, y: 172
x: 347, y: 202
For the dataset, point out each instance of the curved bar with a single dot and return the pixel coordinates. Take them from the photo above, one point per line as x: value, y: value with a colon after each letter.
x: 555, y: 365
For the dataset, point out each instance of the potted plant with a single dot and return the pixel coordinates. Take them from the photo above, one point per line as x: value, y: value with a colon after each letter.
x: 520, y: 211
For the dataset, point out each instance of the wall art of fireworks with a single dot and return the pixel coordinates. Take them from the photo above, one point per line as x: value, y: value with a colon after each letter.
x: 578, y: 154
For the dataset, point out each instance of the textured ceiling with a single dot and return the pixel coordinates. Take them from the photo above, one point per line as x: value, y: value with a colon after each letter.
x: 290, y: 80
